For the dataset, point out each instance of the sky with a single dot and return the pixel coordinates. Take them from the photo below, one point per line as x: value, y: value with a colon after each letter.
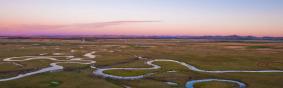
x: 141, y: 17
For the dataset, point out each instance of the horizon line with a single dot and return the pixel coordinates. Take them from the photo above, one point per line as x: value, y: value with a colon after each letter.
x: 34, y: 35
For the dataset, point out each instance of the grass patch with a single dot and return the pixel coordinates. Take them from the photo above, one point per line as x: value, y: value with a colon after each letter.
x: 127, y: 72
x: 54, y: 83
x: 258, y: 47
x: 207, y: 55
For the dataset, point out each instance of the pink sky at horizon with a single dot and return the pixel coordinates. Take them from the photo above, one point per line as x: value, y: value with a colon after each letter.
x: 134, y: 29
x: 148, y: 17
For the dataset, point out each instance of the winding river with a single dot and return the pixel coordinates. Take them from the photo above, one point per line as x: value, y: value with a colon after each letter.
x: 53, y: 66
x: 189, y: 84
x: 100, y: 71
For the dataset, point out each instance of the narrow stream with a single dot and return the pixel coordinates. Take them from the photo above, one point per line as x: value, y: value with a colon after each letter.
x: 54, y: 67
x: 190, y: 84
x: 100, y: 72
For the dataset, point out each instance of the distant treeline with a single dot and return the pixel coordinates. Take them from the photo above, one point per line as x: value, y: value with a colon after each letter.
x: 232, y: 37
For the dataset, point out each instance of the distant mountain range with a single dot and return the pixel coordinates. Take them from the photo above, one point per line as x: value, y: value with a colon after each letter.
x: 231, y: 37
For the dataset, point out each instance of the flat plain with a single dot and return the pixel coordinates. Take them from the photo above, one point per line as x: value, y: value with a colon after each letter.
x: 133, y: 53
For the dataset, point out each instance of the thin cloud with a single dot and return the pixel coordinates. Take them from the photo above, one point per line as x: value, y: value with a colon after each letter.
x: 41, y: 29
x: 103, y: 24
x: 84, y: 25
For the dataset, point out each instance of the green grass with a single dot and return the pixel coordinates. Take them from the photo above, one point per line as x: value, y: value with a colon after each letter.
x: 258, y: 47
x: 8, y: 66
x: 206, y: 55
x: 54, y: 83
x: 127, y: 72
x: 65, y: 79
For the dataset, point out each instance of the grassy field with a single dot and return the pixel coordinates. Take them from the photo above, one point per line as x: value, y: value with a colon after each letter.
x: 121, y: 53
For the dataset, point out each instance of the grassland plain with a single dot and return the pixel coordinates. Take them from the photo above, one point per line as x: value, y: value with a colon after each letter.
x: 208, y: 55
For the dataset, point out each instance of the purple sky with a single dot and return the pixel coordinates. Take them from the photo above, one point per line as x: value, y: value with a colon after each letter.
x: 141, y: 17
